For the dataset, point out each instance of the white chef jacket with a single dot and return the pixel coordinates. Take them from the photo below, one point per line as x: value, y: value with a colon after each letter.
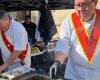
x: 77, y: 67
x: 17, y: 36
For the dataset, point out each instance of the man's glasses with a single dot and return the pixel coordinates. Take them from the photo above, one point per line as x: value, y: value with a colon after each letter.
x: 85, y: 6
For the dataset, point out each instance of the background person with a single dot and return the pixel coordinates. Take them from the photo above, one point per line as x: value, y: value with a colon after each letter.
x: 30, y: 28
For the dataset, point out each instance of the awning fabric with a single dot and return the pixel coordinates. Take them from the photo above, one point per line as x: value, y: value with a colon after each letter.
x: 19, y: 5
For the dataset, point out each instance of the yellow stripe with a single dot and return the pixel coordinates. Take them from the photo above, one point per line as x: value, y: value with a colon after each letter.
x: 88, y: 35
x: 89, y: 62
x: 79, y: 40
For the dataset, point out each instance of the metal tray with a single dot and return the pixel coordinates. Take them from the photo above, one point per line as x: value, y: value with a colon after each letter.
x: 22, y: 70
x: 32, y: 75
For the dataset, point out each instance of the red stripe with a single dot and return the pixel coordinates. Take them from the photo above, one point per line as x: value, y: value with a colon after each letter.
x: 88, y: 43
x: 11, y: 47
x: 7, y: 43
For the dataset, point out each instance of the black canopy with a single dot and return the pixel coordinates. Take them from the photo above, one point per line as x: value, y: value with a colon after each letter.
x: 19, y: 5
x: 47, y: 26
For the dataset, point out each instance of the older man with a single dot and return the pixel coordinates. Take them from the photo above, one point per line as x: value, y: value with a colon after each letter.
x: 79, y: 41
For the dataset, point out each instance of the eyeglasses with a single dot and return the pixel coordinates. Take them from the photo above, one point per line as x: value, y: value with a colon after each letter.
x: 85, y: 6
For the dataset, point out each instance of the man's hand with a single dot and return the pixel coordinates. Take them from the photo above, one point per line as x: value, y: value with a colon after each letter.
x: 2, y: 68
x: 10, y: 60
x: 54, y: 69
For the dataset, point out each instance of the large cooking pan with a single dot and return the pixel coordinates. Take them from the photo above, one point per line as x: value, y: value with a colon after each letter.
x: 32, y: 76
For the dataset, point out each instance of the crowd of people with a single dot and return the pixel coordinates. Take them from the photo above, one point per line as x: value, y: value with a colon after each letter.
x: 78, y: 41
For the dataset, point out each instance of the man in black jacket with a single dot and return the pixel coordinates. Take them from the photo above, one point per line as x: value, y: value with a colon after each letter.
x: 30, y: 28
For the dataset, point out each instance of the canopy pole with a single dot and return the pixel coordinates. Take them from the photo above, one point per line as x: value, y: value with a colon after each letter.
x: 46, y: 1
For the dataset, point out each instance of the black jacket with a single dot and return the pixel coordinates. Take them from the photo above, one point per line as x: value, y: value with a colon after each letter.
x: 30, y: 28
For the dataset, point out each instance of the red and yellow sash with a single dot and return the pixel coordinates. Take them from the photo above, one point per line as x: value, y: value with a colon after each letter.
x: 11, y: 47
x: 88, y: 43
